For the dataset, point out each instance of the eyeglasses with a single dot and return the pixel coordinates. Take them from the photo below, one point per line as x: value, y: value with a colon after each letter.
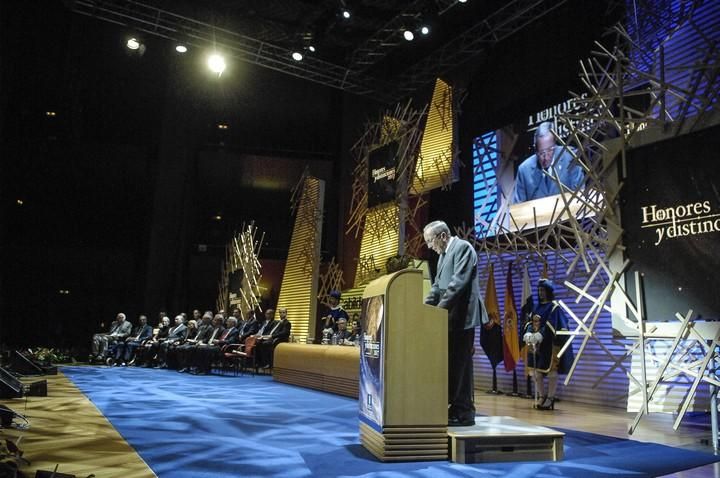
x: 432, y: 241
x: 546, y: 151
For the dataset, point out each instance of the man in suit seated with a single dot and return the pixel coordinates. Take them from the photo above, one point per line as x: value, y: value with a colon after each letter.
x: 206, y: 355
x: 120, y: 329
x: 183, y: 352
x: 175, y: 335
x: 195, y: 356
x: 125, y: 351
x: 279, y: 331
x: 249, y: 327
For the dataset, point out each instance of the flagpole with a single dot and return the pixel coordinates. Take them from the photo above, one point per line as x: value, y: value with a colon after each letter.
x: 514, y: 392
x: 494, y: 390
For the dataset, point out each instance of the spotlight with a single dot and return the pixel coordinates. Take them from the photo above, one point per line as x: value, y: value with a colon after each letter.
x: 217, y: 217
x: 408, y: 35
x: 181, y: 49
x: 462, y: 1
x: 20, y: 202
x: 297, y: 56
x: 222, y: 126
x: 346, y: 14
x: 133, y: 43
x: 311, y: 48
x: 50, y: 113
x: 425, y: 30
x: 216, y: 63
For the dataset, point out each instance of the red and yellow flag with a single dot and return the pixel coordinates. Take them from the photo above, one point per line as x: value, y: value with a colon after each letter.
x: 491, y: 333
x: 511, y: 341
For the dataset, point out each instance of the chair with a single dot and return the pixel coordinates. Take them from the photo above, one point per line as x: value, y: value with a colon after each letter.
x: 247, y: 355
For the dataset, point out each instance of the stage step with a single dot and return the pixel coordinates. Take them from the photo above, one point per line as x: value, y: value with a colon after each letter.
x: 494, y: 439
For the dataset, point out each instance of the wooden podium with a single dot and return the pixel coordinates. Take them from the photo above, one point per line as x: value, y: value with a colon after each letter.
x: 403, y: 371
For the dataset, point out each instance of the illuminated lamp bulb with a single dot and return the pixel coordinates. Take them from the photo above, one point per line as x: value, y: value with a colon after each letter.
x: 216, y: 63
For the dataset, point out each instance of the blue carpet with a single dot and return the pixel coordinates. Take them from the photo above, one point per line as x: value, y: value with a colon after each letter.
x: 224, y: 426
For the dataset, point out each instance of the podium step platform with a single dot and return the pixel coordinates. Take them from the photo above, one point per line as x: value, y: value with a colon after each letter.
x: 406, y: 443
x: 494, y: 439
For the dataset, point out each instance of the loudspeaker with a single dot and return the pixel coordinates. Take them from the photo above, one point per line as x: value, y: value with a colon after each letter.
x: 23, y: 365
x: 10, y: 387
x: 36, y: 389
x: 6, y: 417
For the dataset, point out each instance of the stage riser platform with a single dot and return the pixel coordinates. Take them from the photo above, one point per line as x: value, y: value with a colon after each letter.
x: 496, y: 439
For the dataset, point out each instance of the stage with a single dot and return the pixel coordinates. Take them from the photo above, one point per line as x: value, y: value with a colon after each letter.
x: 130, y: 422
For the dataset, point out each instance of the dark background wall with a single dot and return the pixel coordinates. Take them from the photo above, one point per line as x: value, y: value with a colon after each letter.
x: 120, y: 188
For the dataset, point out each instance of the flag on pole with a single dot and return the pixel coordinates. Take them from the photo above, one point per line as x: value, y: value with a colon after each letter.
x: 526, y: 299
x: 491, y: 333
x: 511, y: 341
x: 526, y: 308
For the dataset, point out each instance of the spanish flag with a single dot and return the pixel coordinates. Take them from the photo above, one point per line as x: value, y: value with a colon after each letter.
x: 511, y: 341
x: 491, y: 333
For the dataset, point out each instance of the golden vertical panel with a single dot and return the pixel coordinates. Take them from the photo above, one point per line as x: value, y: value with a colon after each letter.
x: 434, y: 165
x: 298, y: 291
x: 380, y: 238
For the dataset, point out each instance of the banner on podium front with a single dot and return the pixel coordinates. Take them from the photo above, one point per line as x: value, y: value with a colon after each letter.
x: 371, y: 359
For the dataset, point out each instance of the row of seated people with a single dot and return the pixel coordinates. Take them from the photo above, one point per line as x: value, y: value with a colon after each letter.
x: 193, y: 345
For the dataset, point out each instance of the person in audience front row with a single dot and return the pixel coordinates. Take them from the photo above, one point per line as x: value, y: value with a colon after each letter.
x: 279, y: 332
x: 184, y: 351
x: 172, y: 352
x: 250, y: 326
x: 198, y: 354
x: 143, y: 354
x: 175, y: 335
x: 120, y: 329
x: 125, y: 351
x: 207, y: 355
x: 356, y: 331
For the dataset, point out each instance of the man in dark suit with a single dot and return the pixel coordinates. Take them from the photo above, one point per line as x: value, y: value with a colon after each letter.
x: 125, y: 351
x: 184, y: 352
x: 455, y: 289
x: 206, y: 355
x: 250, y: 326
x: 175, y: 335
x: 279, y: 332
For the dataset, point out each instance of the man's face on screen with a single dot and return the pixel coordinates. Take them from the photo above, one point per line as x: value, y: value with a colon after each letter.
x: 544, y: 148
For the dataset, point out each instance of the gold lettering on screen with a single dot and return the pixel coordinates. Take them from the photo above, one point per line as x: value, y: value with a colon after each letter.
x: 679, y: 221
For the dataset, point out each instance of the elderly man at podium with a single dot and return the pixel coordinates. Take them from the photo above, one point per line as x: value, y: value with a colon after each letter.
x: 455, y: 288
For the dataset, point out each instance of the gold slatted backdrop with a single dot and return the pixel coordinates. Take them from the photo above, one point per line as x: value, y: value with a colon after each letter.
x: 434, y: 165
x: 300, y: 281
x: 379, y: 242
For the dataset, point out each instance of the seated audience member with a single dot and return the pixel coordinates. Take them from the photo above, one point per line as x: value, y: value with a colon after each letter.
x: 335, y: 312
x: 175, y: 335
x: 249, y: 327
x: 125, y: 351
x: 190, y: 334
x: 280, y: 332
x: 119, y: 331
x: 356, y: 331
x: 343, y: 334
x: 197, y: 354
x: 185, y: 352
x: 144, y: 354
x: 207, y: 355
